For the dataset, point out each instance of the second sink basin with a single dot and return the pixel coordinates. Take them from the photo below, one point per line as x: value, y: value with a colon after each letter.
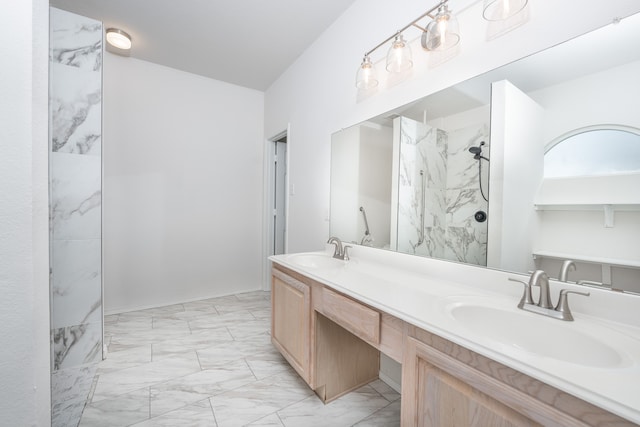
x: 316, y: 261
x: 538, y: 335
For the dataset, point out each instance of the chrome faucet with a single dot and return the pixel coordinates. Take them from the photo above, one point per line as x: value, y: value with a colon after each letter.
x: 560, y: 311
x: 567, y: 266
x: 340, y: 252
x: 540, y: 278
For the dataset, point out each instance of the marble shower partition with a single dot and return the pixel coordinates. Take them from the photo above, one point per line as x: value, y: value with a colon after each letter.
x: 422, y: 149
x: 75, y: 217
x: 451, y: 193
x: 466, y: 239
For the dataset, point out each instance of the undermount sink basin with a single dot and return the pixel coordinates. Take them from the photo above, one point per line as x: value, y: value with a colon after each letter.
x: 319, y: 261
x: 535, y: 334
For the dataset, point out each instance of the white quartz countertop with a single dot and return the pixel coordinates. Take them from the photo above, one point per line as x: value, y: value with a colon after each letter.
x: 443, y: 298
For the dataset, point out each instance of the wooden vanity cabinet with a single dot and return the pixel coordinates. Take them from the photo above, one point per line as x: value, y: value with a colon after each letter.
x: 291, y: 322
x: 325, y: 336
x: 444, y: 384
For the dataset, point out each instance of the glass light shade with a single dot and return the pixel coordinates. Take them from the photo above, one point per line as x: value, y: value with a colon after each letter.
x: 399, y: 56
x: 443, y: 32
x: 499, y: 10
x: 118, y: 38
x: 366, y: 77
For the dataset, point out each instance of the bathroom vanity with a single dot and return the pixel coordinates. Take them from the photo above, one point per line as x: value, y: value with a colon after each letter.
x: 468, y: 355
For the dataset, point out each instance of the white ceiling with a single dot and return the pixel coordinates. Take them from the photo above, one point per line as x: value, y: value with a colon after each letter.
x: 245, y: 42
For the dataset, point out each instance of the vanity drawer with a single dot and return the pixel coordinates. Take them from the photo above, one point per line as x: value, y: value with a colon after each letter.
x: 351, y: 315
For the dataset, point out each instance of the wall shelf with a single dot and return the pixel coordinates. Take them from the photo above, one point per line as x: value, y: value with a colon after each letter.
x: 589, y: 259
x: 628, y: 207
x: 607, y: 209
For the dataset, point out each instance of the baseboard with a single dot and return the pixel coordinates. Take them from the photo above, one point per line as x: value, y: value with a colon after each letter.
x: 147, y: 307
x: 390, y: 382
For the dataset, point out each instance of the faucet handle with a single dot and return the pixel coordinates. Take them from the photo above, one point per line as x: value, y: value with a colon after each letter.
x: 563, y: 303
x: 526, y: 296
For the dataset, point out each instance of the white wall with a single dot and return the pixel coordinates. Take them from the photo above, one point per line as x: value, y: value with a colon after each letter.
x: 345, y: 172
x: 376, y: 147
x: 182, y: 186
x: 565, y: 109
x: 317, y: 96
x: 24, y: 263
x: 517, y: 161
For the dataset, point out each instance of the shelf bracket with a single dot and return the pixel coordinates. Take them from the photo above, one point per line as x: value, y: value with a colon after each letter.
x: 608, y: 216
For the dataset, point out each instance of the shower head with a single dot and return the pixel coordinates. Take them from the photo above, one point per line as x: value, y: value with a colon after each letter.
x: 477, y: 151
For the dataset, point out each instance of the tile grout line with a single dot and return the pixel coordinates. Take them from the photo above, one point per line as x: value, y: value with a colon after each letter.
x: 213, y: 412
x: 149, y: 407
x: 375, y: 412
x: 249, y: 366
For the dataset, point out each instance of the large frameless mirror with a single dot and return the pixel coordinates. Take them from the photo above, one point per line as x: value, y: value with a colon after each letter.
x: 462, y: 174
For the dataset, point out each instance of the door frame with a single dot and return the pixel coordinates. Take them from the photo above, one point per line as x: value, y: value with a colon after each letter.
x: 268, y: 201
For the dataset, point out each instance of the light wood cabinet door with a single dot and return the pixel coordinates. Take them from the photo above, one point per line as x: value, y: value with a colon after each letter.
x: 440, y: 391
x: 291, y: 322
x: 451, y: 402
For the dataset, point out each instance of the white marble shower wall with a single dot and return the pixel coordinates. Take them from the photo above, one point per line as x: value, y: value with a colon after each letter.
x: 466, y: 238
x: 422, y: 149
x: 75, y: 170
x: 451, y: 192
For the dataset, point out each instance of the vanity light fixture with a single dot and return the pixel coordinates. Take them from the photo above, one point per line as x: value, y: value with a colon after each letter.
x: 118, y: 38
x: 442, y: 33
x: 399, y: 55
x: 366, y: 78
x: 500, y: 10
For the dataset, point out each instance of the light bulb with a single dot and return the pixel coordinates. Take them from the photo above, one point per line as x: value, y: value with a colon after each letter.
x: 366, y: 76
x: 442, y: 30
x: 399, y: 56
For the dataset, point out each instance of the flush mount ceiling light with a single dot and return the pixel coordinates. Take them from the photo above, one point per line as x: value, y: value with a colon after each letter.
x: 118, y: 38
x: 500, y: 10
x: 442, y: 33
x: 366, y: 78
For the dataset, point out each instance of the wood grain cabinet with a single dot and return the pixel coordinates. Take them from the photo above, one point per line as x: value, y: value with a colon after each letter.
x: 445, y: 385
x: 291, y: 322
x: 325, y: 347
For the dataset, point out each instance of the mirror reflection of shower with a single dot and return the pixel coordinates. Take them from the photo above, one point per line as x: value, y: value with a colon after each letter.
x: 422, y: 207
x: 367, y: 239
x: 477, y: 155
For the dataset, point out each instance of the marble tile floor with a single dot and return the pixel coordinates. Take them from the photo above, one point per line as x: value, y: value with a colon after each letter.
x: 211, y: 363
